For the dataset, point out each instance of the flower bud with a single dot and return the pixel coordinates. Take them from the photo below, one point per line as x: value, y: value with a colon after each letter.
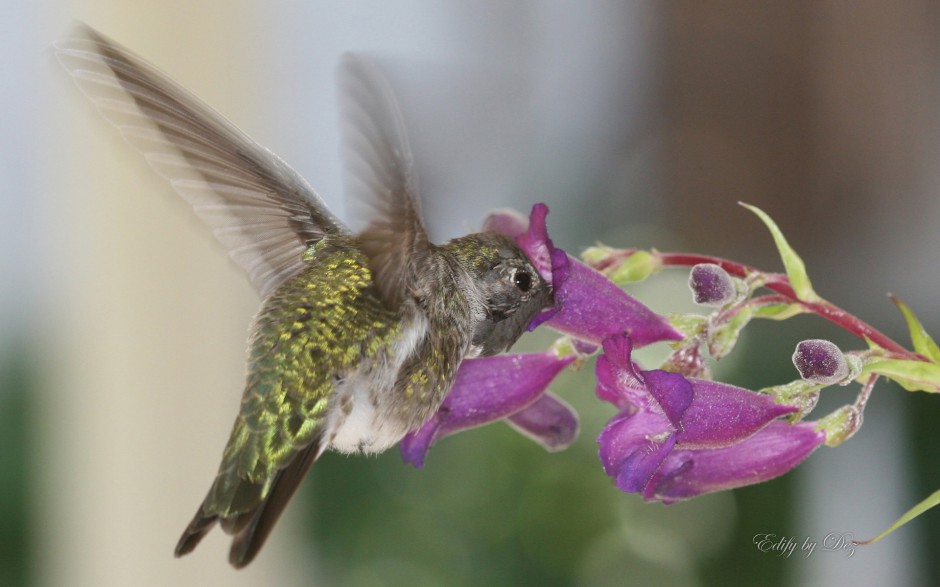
x: 636, y: 267
x: 820, y: 361
x: 687, y: 360
x: 711, y: 285
x: 840, y: 425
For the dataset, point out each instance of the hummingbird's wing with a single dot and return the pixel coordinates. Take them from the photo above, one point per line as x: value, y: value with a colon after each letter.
x: 381, y: 184
x: 258, y: 207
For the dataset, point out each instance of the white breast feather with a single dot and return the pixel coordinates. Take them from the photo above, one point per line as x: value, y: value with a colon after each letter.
x: 362, y: 428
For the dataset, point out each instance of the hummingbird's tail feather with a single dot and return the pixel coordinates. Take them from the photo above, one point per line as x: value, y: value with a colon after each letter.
x: 248, y: 542
x: 253, y: 516
x: 245, y: 499
x: 195, y: 532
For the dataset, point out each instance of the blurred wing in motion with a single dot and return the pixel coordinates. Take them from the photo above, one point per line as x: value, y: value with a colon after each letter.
x: 258, y: 207
x: 381, y: 185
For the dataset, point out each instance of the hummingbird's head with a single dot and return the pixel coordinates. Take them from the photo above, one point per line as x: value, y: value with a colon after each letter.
x: 505, y: 285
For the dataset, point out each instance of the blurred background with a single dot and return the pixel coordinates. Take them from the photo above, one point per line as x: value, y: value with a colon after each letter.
x: 641, y: 124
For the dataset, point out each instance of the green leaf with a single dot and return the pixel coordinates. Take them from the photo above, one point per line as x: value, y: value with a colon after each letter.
x: 911, y: 375
x: 779, y: 311
x: 872, y: 345
x: 796, y: 270
x: 912, y: 513
x: 923, y: 343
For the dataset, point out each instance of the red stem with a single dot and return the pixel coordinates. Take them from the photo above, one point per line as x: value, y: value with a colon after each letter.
x: 779, y: 283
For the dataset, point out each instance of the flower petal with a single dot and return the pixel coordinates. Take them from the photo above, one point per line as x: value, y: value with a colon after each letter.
x: 485, y: 390
x: 633, y: 446
x: 706, y: 414
x: 506, y: 221
x: 559, y: 274
x: 536, y: 244
x: 549, y: 421
x: 415, y: 445
x: 621, y: 383
x: 591, y: 307
x: 722, y: 414
x: 771, y: 452
x: 673, y: 393
x: 618, y: 380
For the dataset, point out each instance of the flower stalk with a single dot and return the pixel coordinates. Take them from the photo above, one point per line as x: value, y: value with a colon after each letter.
x: 780, y: 284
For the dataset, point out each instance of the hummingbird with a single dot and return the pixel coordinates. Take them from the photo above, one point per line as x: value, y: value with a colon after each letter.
x: 360, y: 334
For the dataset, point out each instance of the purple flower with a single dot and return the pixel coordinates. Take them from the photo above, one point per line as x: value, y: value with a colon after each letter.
x: 588, y: 306
x: 677, y: 437
x: 548, y: 420
x: 493, y: 388
x: 769, y: 453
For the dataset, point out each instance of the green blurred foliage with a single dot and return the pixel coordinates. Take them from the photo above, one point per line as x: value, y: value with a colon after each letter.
x: 17, y: 384
x: 923, y: 413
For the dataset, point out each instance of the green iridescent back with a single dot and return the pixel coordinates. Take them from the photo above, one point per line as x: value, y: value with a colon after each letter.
x: 313, y: 331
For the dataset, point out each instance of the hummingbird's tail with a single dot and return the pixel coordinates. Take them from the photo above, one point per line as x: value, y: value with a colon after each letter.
x: 249, y: 540
x: 195, y: 532
x: 251, y: 528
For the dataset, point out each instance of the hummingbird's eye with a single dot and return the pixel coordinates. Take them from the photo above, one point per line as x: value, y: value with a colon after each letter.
x: 522, y: 279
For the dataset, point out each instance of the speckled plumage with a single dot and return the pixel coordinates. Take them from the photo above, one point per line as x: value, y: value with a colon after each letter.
x: 327, y: 351
x: 360, y: 334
